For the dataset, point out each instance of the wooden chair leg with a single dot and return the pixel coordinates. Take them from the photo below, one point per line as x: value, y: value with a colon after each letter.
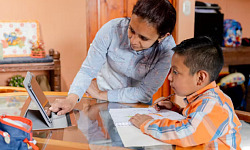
x: 56, y: 73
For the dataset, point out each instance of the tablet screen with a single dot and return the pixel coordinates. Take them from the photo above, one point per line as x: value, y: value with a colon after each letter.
x: 37, y: 95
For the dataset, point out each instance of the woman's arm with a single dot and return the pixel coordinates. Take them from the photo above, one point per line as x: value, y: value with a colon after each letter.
x: 95, y: 92
x: 94, y: 61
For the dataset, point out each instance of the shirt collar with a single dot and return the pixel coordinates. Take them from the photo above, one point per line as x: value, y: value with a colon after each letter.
x: 193, y: 96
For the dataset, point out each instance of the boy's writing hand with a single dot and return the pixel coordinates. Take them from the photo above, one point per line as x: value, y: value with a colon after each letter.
x: 139, y: 119
x: 163, y: 105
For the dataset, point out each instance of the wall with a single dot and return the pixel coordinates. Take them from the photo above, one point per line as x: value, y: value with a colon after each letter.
x: 184, y: 23
x: 235, y: 9
x: 238, y: 10
x: 63, y: 27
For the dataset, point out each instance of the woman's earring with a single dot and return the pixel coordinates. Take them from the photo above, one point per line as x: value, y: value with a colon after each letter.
x: 159, y: 41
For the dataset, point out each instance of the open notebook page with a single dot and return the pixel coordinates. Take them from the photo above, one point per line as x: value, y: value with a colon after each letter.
x: 121, y: 116
x: 132, y: 136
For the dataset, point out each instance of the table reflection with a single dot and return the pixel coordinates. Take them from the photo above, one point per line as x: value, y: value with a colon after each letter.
x: 96, y: 124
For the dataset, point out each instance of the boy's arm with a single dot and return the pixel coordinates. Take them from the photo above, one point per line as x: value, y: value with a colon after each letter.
x: 200, y: 126
x: 139, y: 119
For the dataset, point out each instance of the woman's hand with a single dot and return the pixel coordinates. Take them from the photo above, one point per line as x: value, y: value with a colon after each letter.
x: 62, y: 106
x: 138, y: 119
x: 95, y: 92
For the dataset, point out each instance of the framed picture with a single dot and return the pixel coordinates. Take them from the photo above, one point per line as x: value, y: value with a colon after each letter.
x: 17, y: 37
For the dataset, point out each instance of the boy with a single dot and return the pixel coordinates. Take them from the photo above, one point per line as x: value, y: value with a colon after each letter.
x: 210, y: 117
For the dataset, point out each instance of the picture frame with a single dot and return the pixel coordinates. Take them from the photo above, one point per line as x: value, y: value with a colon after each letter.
x: 17, y: 37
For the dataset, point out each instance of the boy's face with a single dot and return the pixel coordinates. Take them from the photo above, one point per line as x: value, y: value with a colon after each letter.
x: 181, y: 81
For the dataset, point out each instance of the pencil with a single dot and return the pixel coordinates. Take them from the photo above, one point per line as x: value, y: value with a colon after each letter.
x: 166, y: 98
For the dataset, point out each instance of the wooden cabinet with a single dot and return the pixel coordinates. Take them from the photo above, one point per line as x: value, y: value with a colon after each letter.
x: 238, y: 59
x: 101, y: 11
x: 236, y: 55
x: 53, y: 68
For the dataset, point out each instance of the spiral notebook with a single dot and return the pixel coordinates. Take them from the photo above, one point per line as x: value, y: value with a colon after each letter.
x: 132, y: 136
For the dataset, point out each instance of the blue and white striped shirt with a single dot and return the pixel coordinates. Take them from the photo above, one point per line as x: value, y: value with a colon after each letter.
x: 120, y: 70
x: 210, y: 120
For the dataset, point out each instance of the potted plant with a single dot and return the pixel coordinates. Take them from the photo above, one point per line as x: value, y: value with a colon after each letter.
x: 16, y: 81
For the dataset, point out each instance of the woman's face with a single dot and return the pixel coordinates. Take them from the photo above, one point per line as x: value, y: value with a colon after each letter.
x: 141, y: 34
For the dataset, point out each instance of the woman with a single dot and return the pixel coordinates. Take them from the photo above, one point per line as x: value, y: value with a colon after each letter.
x: 130, y: 58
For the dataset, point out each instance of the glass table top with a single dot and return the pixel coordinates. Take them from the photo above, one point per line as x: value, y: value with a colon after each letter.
x: 95, y: 126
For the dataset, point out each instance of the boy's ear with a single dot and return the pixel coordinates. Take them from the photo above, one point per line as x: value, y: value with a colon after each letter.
x: 202, y: 77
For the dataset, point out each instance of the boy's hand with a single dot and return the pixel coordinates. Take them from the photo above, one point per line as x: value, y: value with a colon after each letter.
x: 139, y: 119
x: 164, y: 105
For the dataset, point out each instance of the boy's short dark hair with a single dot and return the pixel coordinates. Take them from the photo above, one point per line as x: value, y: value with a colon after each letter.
x: 201, y: 53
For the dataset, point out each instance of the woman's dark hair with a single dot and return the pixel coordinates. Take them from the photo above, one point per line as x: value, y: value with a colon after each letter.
x: 160, y: 13
x: 201, y: 53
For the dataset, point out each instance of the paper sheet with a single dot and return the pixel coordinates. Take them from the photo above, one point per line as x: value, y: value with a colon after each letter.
x: 121, y: 116
x: 132, y: 136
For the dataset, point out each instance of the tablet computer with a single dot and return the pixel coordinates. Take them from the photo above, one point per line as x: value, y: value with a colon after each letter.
x: 39, y: 117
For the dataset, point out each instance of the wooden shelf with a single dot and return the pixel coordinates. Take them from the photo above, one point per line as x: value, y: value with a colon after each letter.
x: 236, y: 56
x: 53, y: 67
